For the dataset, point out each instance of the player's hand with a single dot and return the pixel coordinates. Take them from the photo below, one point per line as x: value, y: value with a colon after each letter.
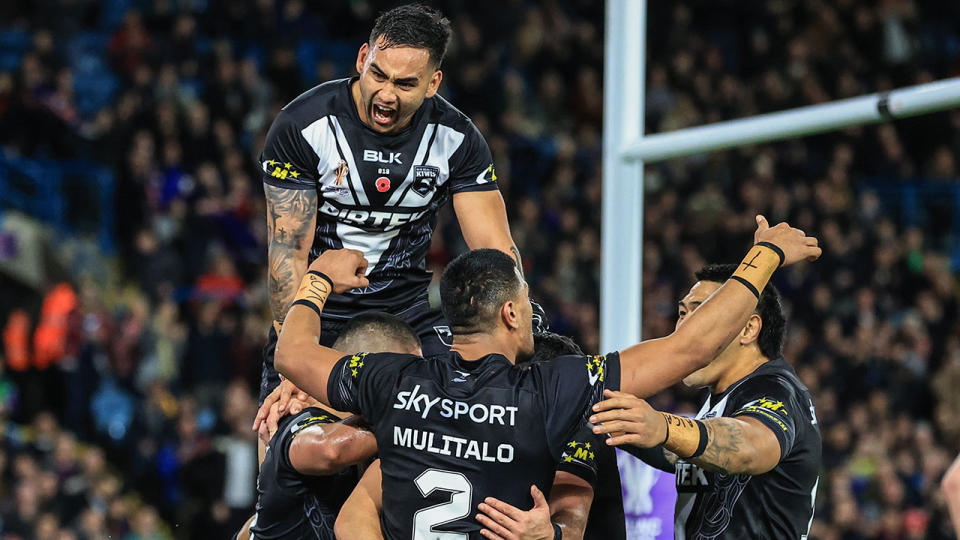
x: 280, y: 396
x: 295, y: 406
x: 796, y: 245
x: 346, y: 267
x: 505, y: 522
x: 629, y: 419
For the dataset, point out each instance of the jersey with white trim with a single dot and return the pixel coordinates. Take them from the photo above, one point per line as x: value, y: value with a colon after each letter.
x: 291, y: 504
x: 776, y: 504
x: 376, y: 193
x: 451, y: 432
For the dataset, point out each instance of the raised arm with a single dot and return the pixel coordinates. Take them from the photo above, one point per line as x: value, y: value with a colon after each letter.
x: 299, y: 355
x: 291, y: 222
x: 651, y: 366
x: 483, y: 222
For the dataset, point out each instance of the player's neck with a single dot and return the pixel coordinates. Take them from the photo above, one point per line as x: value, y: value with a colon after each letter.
x: 476, y: 346
x: 746, y: 362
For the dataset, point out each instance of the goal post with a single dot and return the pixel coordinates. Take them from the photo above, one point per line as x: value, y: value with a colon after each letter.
x: 626, y: 150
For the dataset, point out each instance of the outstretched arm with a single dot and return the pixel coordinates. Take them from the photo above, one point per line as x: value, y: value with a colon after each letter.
x: 656, y: 364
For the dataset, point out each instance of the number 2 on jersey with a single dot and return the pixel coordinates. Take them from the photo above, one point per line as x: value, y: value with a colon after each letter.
x: 440, y: 514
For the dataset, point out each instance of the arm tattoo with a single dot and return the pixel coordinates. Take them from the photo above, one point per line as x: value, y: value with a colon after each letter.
x: 725, y: 452
x: 516, y: 257
x: 291, y: 216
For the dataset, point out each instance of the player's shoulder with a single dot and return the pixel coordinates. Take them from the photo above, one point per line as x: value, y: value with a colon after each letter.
x: 321, y: 100
x: 445, y: 113
x: 774, y: 381
x: 383, y: 361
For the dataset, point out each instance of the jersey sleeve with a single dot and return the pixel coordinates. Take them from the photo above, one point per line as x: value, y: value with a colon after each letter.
x: 360, y: 383
x: 772, y: 402
x: 471, y: 166
x: 287, y: 159
x: 579, y: 455
x: 571, y: 385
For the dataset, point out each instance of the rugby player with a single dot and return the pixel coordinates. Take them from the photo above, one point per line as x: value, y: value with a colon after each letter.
x: 365, y: 163
x: 470, y: 424
x: 300, y: 489
x: 578, y: 513
x: 748, y: 466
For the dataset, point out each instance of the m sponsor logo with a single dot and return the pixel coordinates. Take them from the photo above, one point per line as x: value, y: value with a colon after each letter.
x: 280, y: 169
x: 382, y: 157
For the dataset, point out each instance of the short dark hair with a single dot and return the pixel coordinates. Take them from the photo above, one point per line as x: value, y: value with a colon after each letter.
x: 474, y: 286
x: 375, y: 331
x: 414, y: 25
x: 548, y: 345
x: 769, y: 308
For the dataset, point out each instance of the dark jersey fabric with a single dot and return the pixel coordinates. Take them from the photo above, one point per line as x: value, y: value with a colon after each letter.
x: 291, y: 505
x: 376, y: 193
x: 451, y: 432
x: 777, y: 504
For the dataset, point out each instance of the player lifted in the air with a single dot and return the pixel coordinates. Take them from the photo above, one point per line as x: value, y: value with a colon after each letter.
x: 364, y: 163
x: 470, y: 424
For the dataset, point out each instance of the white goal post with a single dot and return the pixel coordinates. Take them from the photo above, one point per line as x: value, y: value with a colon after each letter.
x: 626, y: 150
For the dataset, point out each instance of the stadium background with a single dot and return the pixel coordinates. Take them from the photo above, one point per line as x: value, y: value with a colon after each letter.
x: 132, y: 298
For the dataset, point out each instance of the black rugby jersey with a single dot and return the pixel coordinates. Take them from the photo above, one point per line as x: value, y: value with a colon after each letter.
x: 376, y: 193
x: 451, y: 432
x: 291, y: 505
x: 776, y: 504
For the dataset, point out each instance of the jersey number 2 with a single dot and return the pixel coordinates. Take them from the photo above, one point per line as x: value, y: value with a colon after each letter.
x: 440, y: 514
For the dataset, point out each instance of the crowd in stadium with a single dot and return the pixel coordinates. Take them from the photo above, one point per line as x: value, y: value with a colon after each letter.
x: 169, y: 355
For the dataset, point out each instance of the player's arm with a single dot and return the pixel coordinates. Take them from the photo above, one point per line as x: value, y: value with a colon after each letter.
x: 359, y: 518
x: 244, y: 533
x: 299, y: 356
x: 740, y: 445
x: 567, y: 511
x: 324, y: 449
x: 483, y: 222
x: 656, y: 364
x: 291, y: 222
x: 951, y: 492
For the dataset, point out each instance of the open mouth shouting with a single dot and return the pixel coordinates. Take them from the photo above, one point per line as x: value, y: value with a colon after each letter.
x: 382, y: 116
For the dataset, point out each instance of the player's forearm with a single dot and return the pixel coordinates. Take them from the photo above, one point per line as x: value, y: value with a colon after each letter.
x: 483, y: 222
x: 571, y: 520
x: 359, y: 518
x: 570, y: 500
x: 733, y: 447
x: 299, y: 357
x: 655, y: 457
x: 291, y: 221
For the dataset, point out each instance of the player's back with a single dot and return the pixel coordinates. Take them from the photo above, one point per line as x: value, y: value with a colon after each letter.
x: 452, y: 432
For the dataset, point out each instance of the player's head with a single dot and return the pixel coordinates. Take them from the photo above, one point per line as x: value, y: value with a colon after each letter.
x: 548, y: 345
x: 761, y: 336
x: 399, y: 66
x: 376, y: 332
x: 483, y: 293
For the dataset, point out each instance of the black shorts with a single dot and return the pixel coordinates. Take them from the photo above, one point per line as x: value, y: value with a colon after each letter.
x: 428, y: 323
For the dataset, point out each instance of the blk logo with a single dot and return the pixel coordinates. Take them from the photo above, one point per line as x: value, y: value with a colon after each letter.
x: 381, y: 157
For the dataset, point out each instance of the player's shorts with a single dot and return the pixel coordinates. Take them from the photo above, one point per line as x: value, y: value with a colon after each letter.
x: 428, y: 323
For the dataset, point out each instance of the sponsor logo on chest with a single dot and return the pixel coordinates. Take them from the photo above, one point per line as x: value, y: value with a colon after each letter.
x: 388, y: 158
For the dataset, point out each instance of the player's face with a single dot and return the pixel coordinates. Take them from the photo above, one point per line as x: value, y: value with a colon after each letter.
x: 393, y: 84
x: 698, y: 294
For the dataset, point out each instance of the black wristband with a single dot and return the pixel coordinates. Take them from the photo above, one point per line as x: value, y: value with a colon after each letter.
x: 330, y: 281
x: 775, y: 249
x: 557, y: 533
x: 748, y: 285
x: 703, y: 440
x: 309, y: 304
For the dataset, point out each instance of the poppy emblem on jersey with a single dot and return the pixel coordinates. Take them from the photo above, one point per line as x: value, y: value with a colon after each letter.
x: 383, y: 184
x: 425, y: 179
x: 341, y: 172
